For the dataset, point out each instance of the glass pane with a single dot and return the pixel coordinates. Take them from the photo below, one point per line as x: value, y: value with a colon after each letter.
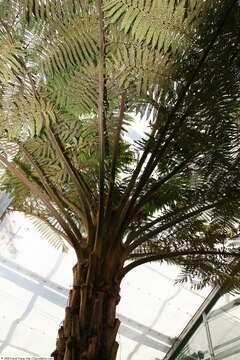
x: 224, y: 323
x: 224, y: 326
x: 197, y: 347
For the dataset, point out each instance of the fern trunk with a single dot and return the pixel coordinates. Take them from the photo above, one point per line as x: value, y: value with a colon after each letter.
x: 90, y: 326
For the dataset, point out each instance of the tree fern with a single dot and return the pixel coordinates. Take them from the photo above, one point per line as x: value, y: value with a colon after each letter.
x: 73, y: 75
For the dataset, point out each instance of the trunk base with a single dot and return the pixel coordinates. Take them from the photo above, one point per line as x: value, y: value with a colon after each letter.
x: 90, y: 326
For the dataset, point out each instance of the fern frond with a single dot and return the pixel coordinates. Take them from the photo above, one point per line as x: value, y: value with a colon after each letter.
x: 23, y: 112
x: 10, y: 55
x: 67, y: 47
x: 45, y: 228
x: 35, y: 10
x: 139, y: 69
x: 157, y: 24
x: 75, y: 93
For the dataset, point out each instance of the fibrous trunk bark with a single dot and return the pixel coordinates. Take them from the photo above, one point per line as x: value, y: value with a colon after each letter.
x: 90, y: 326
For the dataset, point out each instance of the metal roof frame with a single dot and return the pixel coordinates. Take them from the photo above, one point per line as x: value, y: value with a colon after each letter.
x: 194, y: 323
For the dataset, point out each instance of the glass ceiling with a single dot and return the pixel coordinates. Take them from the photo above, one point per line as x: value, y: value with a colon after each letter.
x: 34, y: 283
x: 218, y: 336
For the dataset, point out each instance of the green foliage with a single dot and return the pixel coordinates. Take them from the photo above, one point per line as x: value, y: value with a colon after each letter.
x: 173, y: 190
x: 152, y: 22
x: 46, y: 232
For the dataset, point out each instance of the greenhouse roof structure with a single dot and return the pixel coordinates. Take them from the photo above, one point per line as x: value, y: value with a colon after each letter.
x: 34, y: 288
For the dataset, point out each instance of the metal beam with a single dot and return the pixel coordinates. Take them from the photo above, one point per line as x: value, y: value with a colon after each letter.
x: 209, y: 338
x: 193, y: 324
x: 223, y: 309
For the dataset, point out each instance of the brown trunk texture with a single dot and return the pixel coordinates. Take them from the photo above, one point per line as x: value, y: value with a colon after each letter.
x: 90, y: 326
